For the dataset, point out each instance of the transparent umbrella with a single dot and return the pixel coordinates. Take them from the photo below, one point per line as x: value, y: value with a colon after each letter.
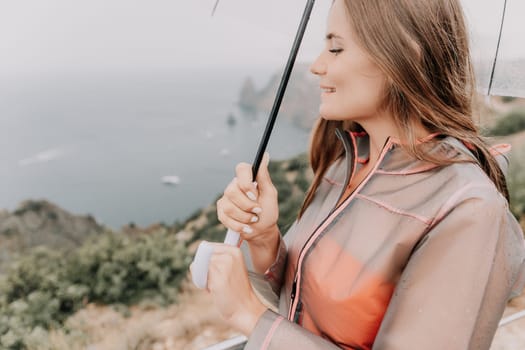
x: 495, y: 27
x: 495, y: 32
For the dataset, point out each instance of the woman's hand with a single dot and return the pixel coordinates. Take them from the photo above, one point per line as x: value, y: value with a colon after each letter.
x: 251, y: 209
x: 230, y: 288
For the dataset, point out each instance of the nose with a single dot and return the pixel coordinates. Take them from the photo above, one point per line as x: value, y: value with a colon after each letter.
x: 318, y: 67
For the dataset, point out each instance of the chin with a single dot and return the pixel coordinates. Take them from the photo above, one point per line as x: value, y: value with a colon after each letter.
x: 331, y: 116
x: 327, y: 114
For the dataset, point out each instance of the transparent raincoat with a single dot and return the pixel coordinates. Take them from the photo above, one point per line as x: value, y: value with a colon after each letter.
x: 419, y: 256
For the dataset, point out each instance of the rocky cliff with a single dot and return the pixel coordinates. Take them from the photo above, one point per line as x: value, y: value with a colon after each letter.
x: 36, y: 223
x: 301, y: 99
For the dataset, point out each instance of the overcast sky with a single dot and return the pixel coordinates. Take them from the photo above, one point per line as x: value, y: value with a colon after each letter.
x: 62, y: 35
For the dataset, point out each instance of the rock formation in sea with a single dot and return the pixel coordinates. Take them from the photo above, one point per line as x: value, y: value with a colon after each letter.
x: 301, y: 99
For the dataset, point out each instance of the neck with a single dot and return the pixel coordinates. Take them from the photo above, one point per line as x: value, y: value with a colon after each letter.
x: 379, y: 129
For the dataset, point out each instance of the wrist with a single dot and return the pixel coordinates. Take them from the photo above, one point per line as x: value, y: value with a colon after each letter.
x: 267, y: 239
x: 246, y: 319
x: 264, y: 252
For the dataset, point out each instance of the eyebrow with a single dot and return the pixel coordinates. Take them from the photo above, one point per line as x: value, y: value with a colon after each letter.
x: 330, y: 36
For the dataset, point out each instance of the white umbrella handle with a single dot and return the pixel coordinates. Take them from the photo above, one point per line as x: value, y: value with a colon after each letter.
x: 199, y: 270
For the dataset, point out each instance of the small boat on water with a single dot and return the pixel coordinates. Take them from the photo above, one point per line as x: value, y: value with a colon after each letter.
x: 231, y: 121
x: 170, y: 180
x: 43, y: 157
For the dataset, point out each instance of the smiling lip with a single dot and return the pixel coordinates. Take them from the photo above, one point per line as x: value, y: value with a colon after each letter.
x: 327, y: 89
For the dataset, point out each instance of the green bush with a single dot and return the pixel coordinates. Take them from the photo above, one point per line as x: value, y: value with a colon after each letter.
x: 507, y: 99
x: 299, y: 163
x: 211, y: 233
x: 32, y: 206
x: 195, y: 215
x: 516, y: 183
x: 35, y: 295
x: 288, y: 213
x: 125, y: 270
x: 511, y: 123
x: 281, y: 183
x: 212, y: 218
x: 44, y: 287
x: 302, y: 181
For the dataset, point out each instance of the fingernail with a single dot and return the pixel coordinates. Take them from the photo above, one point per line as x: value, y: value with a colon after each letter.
x: 256, y: 210
x: 254, y: 219
x: 247, y: 229
x: 251, y: 196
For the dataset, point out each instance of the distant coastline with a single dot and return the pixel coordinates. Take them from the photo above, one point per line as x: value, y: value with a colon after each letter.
x: 101, y: 144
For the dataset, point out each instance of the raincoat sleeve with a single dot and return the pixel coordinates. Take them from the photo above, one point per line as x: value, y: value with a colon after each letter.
x: 454, y: 288
x: 269, y: 283
x: 274, y: 332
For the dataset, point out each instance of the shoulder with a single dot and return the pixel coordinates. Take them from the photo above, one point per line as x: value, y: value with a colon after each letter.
x: 468, y: 190
x: 466, y: 186
x: 463, y: 183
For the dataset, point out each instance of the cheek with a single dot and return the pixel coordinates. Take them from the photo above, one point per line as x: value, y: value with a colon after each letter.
x: 362, y: 97
x: 368, y: 91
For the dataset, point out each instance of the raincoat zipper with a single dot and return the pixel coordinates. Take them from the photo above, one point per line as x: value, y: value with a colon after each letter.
x: 350, y: 168
x: 304, y: 250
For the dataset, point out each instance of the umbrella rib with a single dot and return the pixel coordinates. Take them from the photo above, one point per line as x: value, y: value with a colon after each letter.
x: 497, y: 48
x: 214, y: 8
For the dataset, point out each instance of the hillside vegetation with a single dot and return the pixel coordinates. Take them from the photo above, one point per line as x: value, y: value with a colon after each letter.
x: 45, y: 285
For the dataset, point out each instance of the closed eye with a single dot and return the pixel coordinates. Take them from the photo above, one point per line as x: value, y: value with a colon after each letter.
x: 336, y: 51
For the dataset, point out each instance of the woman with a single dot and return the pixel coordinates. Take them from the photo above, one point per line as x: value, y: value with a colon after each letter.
x: 405, y: 239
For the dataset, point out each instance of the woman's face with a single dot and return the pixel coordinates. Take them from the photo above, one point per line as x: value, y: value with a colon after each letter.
x: 352, y: 84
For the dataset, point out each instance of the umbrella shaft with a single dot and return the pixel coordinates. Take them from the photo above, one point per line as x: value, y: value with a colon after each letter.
x: 497, y: 48
x: 282, y: 87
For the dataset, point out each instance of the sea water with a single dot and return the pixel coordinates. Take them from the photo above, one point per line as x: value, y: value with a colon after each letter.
x: 99, y: 144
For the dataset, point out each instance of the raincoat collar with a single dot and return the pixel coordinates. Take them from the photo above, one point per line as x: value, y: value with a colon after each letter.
x: 396, y: 160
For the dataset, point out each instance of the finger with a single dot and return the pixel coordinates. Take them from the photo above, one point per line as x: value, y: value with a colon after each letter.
x: 217, y: 275
x: 224, y: 260
x: 235, y: 225
x: 229, y: 209
x: 241, y: 199
x: 245, y: 181
x: 221, y: 249
x: 221, y: 261
x: 264, y: 180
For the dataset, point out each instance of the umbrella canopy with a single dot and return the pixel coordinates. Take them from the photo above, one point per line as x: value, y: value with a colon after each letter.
x: 496, y: 41
x: 495, y: 32
x: 509, y: 72
x: 280, y: 92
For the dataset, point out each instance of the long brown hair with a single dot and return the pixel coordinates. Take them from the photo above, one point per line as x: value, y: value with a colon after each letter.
x: 422, y: 47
